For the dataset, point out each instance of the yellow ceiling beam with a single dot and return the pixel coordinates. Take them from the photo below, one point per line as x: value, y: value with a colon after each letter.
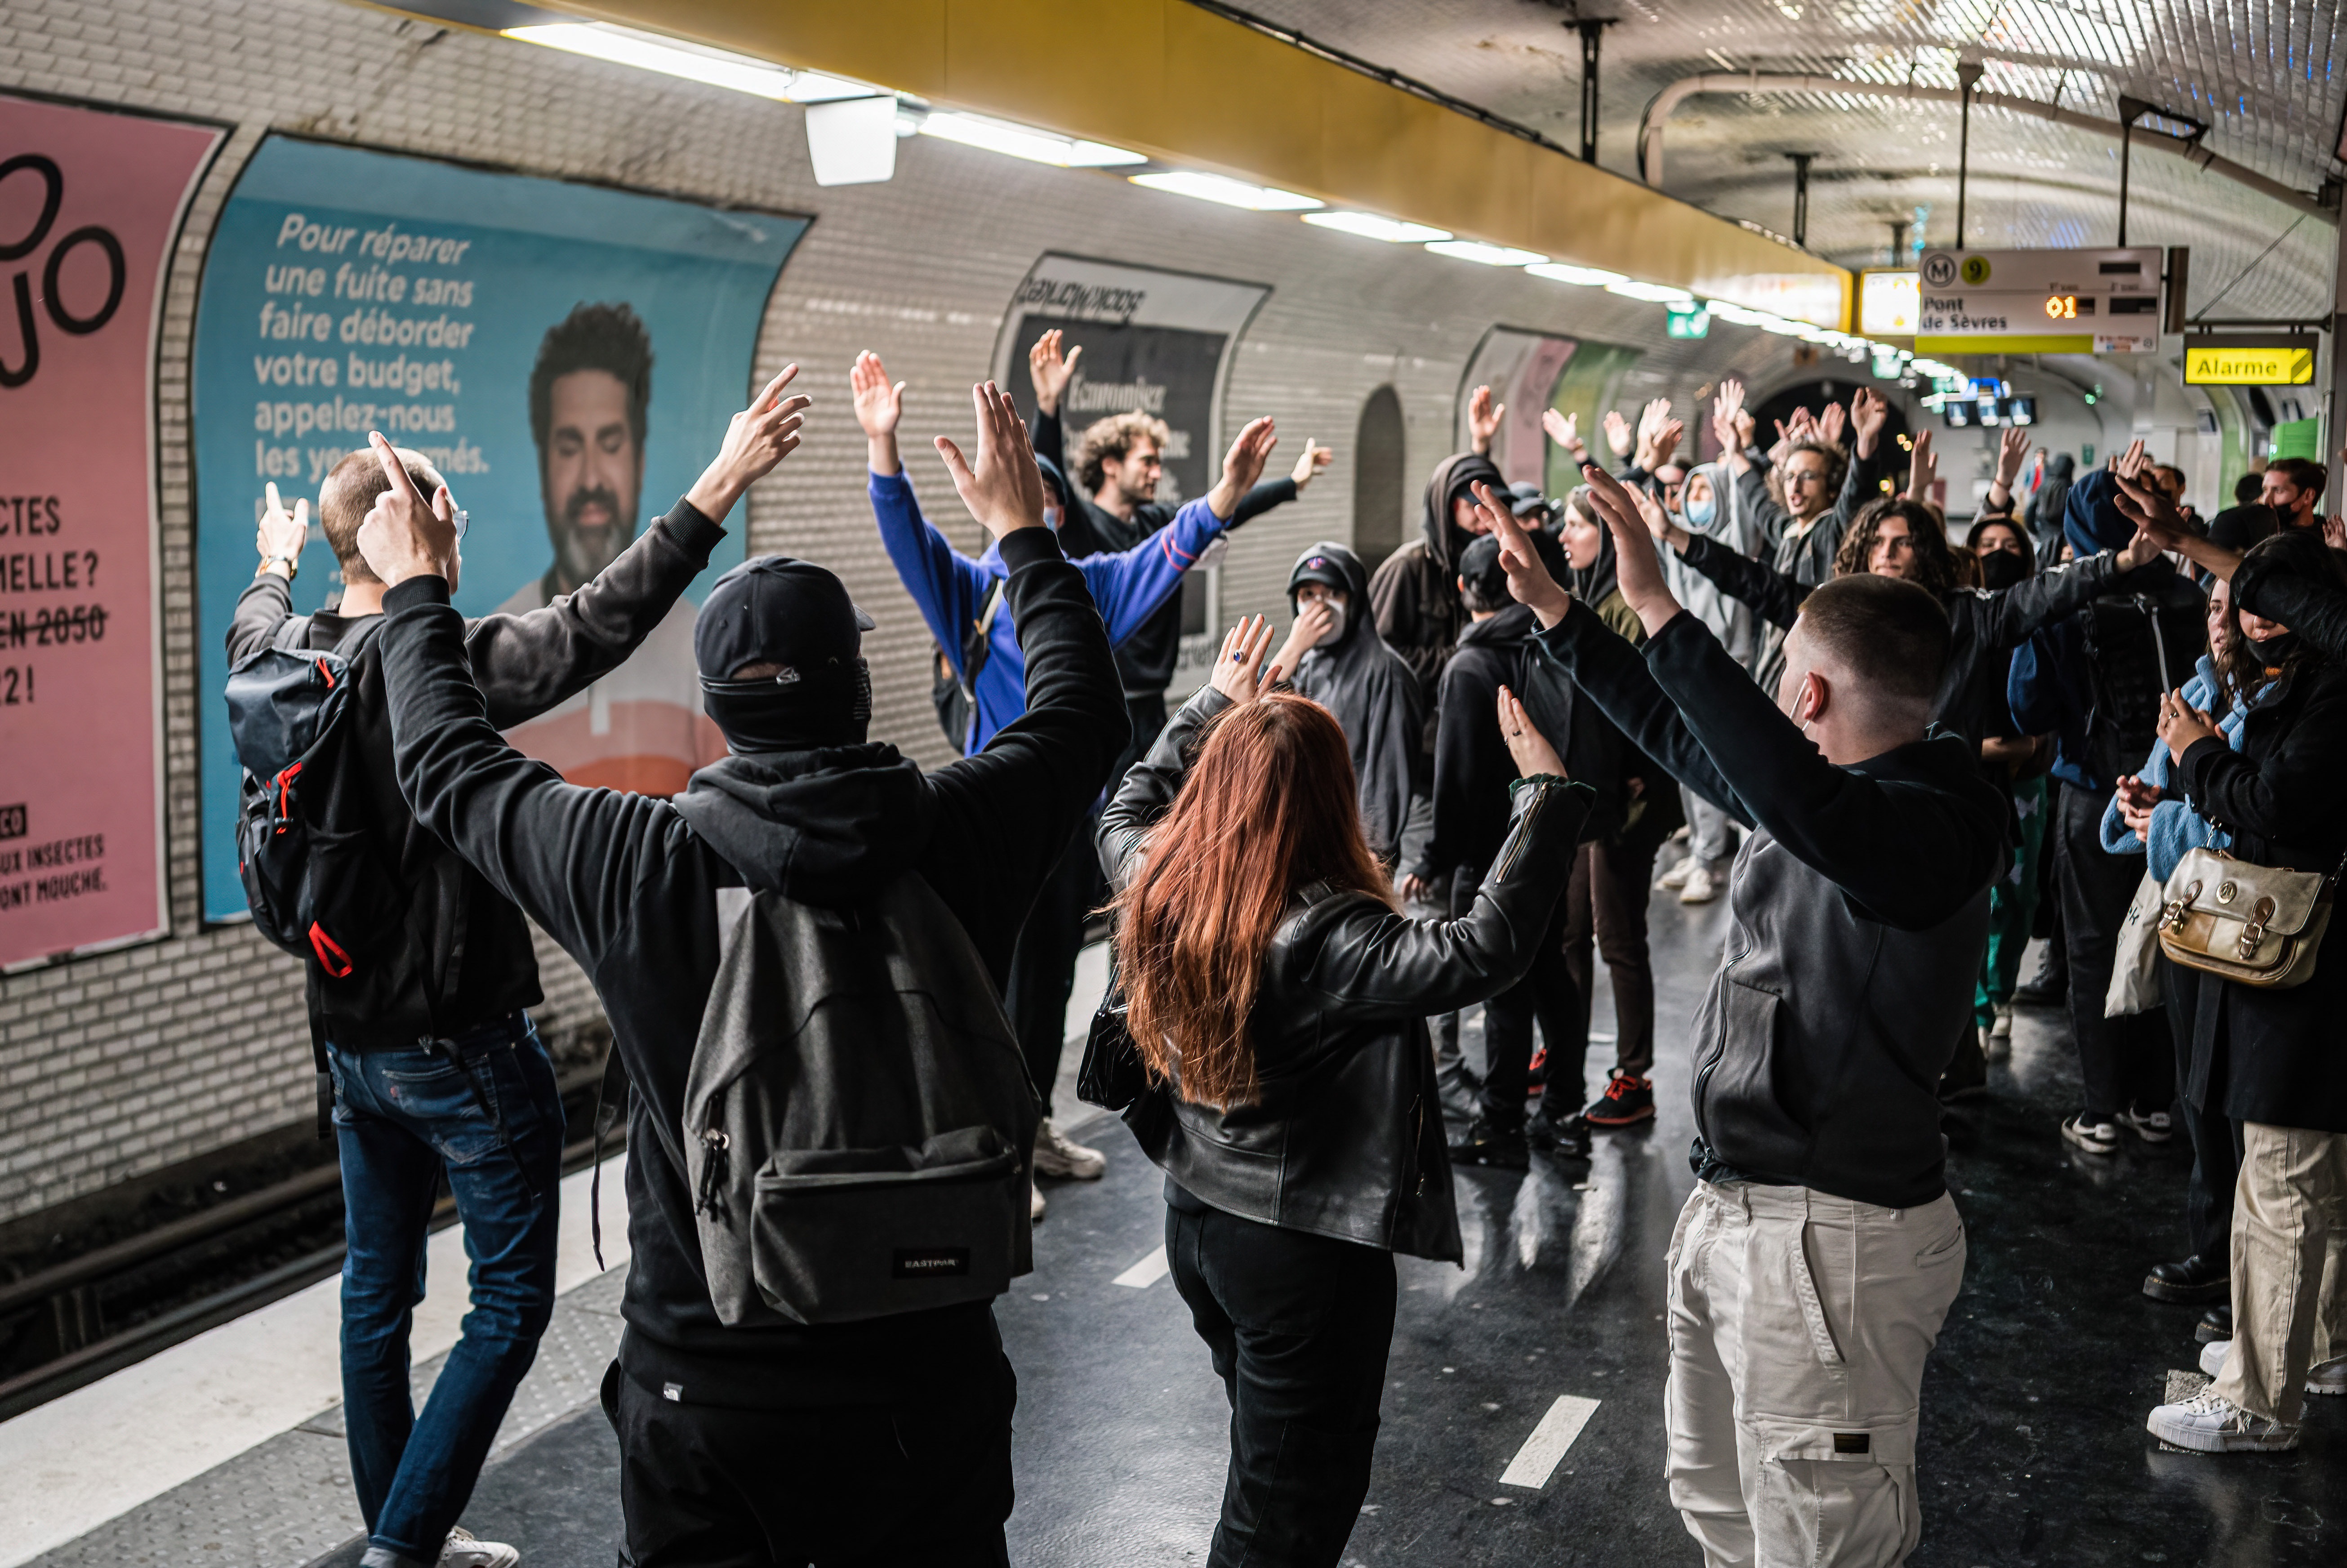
x: 1192, y: 88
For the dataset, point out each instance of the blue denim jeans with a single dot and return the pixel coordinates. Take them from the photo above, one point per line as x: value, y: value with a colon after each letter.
x: 484, y: 1108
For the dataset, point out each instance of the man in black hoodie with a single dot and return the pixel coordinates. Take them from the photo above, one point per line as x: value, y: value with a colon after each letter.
x: 1819, y: 1252
x: 885, y: 1440
x: 418, y: 1014
x: 1415, y: 592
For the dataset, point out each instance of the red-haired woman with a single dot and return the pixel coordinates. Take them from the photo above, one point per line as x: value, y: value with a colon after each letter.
x: 1280, y: 1002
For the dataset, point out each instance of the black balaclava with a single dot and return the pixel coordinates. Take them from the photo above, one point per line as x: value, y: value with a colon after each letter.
x: 793, y: 613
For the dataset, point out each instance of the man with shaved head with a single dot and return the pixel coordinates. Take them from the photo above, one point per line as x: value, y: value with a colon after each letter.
x: 1820, y: 1251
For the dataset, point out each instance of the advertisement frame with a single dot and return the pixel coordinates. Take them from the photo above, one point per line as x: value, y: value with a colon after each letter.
x: 205, y: 920
x: 158, y: 675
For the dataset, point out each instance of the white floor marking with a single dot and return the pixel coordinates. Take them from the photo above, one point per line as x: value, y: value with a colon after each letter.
x: 1145, y: 1273
x: 1537, y: 1459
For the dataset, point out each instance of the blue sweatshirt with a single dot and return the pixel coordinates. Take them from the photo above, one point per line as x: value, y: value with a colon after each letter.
x: 2176, y: 827
x: 951, y: 591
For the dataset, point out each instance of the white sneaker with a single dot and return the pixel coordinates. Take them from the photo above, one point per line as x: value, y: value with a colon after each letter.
x: 2151, y: 1126
x: 1699, y: 887
x: 1034, y: 1201
x: 2322, y: 1378
x: 462, y: 1551
x: 1055, y: 1156
x: 2002, y: 1027
x: 2094, y: 1137
x: 1676, y: 878
x: 2208, y: 1425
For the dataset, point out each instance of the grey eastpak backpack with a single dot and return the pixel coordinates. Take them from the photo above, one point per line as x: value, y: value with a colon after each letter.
x: 857, y: 1118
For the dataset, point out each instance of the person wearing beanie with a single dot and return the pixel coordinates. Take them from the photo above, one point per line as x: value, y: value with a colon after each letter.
x: 838, y: 1423
x: 1340, y: 662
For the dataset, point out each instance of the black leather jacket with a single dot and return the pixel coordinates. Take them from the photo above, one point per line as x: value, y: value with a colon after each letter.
x: 1346, y: 1138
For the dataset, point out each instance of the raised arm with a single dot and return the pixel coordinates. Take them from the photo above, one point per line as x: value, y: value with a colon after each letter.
x: 2012, y: 616
x: 267, y: 599
x: 1773, y: 596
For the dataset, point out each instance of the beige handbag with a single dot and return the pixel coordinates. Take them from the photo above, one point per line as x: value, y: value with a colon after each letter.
x: 2253, y: 924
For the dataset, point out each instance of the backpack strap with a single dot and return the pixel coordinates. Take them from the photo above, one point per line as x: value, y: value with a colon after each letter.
x: 976, y: 648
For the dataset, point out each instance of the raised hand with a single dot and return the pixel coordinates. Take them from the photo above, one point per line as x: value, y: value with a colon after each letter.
x: 757, y: 438
x: 1239, y: 673
x: 1309, y: 462
x: 281, y: 534
x: 1636, y: 570
x: 1051, y: 372
x: 1003, y: 489
x: 1651, y: 420
x: 1922, y: 468
x: 2131, y: 463
x: 1532, y: 754
x: 1617, y: 433
x: 1564, y: 429
x: 878, y: 407
x: 1529, y: 582
x: 1727, y: 414
x: 1667, y: 443
x: 1242, y: 466
x: 402, y: 534
x: 1830, y: 423
x: 1483, y: 418
x: 2012, y: 452
x: 1867, y: 413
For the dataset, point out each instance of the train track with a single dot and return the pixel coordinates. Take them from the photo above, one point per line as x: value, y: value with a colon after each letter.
x: 234, y: 1237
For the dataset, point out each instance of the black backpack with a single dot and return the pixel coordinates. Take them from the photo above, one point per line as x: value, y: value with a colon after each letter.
x: 2139, y: 646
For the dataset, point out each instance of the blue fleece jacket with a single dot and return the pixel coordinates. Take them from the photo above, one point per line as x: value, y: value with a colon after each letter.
x: 951, y: 590
x: 2175, y: 825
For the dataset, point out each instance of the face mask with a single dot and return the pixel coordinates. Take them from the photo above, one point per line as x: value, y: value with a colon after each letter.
x: 1702, y: 513
x: 1052, y: 518
x: 2274, y: 649
x: 1335, y: 633
x: 2001, y: 568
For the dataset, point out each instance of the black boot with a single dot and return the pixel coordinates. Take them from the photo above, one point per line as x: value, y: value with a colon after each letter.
x: 2050, y: 986
x: 2196, y: 1278
x: 1567, y: 1140
x: 2217, y: 1323
x: 1499, y: 1147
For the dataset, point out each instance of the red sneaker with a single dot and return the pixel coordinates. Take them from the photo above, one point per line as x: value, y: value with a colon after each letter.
x: 1626, y: 1100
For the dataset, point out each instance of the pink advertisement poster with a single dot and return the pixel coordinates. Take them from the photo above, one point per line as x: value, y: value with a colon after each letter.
x: 89, y: 204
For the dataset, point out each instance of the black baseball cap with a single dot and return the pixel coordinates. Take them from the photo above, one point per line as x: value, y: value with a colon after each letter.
x: 777, y: 611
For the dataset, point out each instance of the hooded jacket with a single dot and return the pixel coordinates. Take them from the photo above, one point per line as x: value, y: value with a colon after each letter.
x: 1376, y: 702
x: 2049, y: 508
x: 1415, y: 593
x: 477, y: 962
x: 1858, y: 908
x: 1733, y: 527
x: 627, y: 886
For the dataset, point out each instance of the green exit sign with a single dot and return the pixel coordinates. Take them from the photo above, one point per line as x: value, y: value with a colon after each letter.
x: 1689, y: 324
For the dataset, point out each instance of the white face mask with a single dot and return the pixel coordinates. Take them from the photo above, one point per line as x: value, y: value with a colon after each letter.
x: 1335, y: 624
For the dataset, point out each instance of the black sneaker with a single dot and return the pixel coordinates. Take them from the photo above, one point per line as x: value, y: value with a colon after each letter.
x: 2196, y: 1278
x: 1498, y: 1147
x: 2217, y: 1323
x: 2049, y: 987
x: 1567, y: 1139
x: 1626, y: 1100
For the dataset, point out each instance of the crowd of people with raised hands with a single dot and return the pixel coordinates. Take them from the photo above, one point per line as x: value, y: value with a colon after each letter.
x: 837, y: 982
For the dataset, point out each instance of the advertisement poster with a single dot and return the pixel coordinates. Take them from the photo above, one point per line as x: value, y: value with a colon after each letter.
x: 1154, y: 340
x: 565, y: 355
x: 1521, y: 368
x: 89, y: 202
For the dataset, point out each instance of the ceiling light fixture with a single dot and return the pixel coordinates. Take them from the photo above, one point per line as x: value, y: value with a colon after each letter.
x: 1488, y: 255
x: 1021, y: 141
x: 1392, y: 230
x: 1654, y: 293
x: 1565, y: 272
x: 1229, y: 192
x: 711, y: 67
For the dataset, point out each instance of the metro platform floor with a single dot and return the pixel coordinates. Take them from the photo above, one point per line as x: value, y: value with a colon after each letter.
x: 2032, y: 1447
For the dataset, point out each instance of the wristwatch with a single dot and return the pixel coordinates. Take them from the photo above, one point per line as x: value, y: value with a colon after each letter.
x: 293, y: 565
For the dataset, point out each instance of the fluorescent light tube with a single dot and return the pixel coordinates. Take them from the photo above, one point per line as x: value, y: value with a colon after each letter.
x: 1021, y: 141
x: 1392, y: 230
x: 1564, y: 272
x: 712, y: 67
x: 1488, y: 255
x: 1229, y: 192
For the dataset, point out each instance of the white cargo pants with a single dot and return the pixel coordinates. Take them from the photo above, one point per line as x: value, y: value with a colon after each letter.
x: 1799, y: 1325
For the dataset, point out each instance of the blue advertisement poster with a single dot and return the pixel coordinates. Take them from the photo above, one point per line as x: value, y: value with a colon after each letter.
x: 565, y: 355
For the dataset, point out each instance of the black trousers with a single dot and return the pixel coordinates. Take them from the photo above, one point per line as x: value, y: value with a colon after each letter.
x: 1043, y: 959
x: 924, y: 1483
x: 1299, y: 1326
x: 2200, y: 1106
x: 1549, y: 994
x: 2121, y: 1061
x: 1605, y: 902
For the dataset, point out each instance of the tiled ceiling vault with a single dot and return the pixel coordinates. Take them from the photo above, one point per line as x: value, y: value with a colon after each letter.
x: 2264, y: 75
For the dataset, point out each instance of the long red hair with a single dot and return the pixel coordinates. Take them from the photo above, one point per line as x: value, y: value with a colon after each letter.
x: 1269, y: 806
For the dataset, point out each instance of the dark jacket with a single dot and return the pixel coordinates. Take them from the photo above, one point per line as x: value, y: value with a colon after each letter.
x: 2315, y: 611
x: 1984, y: 626
x: 1858, y: 911
x: 1345, y: 1138
x: 627, y: 886
x: 1145, y: 661
x: 2274, y: 1056
x: 1376, y: 702
x: 1415, y: 593
x: 480, y: 964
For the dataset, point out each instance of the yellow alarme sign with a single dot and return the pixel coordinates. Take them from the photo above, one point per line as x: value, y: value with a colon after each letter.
x: 2278, y: 365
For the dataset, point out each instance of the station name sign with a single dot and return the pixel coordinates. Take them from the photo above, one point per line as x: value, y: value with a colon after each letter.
x: 2270, y: 360
x: 2039, y: 302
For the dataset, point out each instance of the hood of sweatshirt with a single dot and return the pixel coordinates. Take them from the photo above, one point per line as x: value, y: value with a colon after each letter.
x: 1453, y: 478
x: 825, y: 826
x: 1513, y: 624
